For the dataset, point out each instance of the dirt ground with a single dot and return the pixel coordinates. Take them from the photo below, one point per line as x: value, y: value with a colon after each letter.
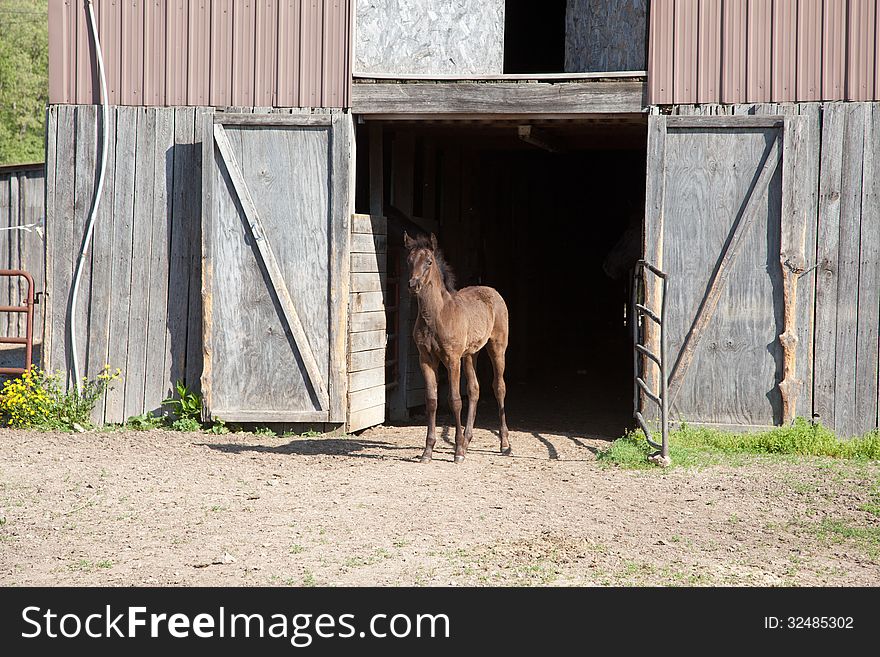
x: 165, y: 508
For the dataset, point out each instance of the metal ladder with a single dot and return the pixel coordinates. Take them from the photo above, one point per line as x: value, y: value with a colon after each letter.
x: 640, y: 313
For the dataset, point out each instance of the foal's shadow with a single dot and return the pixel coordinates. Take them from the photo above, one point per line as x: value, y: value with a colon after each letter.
x: 348, y: 446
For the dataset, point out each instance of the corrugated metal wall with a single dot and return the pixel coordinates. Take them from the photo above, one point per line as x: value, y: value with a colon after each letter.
x: 754, y: 51
x: 248, y: 53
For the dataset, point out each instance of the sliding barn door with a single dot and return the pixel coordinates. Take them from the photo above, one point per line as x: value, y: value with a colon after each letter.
x: 725, y: 218
x: 276, y: 267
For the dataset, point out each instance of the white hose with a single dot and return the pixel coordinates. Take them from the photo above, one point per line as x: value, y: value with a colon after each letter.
x: 87, y: 239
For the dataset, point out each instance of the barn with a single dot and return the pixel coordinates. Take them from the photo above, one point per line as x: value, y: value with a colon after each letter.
x: 264, y: 157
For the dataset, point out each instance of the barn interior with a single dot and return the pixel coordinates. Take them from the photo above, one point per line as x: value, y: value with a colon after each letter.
x: 533, y: 209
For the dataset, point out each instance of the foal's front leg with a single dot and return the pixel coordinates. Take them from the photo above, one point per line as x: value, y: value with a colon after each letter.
x: 429, y: 371
x: 454, y: 367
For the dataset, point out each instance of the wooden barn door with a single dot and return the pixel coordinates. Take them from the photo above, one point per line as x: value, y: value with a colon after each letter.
x: 729, y: 222
x: 276, y: 267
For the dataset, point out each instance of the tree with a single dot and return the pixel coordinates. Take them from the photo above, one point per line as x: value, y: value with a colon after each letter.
x: 24, y: 80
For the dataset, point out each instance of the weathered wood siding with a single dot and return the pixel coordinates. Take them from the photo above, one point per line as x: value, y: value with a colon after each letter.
x: 848, y: 258
x: 838, y: 296
x: 275, y: 266
x: 418, y: 37
x: 22, y: 198
x: 367, y: 328
x: 603, y: 35
x: 140, y: 300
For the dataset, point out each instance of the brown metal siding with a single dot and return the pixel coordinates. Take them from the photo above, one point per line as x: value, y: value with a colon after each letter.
x: 744, y: 51
x: 784, y: 55
x: 808, y: 66
x: 660, y: 51
x: 709, y: 54
x: 282, y: 53
x: 733, y: 36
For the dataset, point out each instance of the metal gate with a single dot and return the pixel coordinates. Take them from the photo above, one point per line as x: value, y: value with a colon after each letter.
x: 645, y: 317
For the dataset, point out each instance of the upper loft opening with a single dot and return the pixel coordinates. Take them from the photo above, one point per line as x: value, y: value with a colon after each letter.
x: 493, y: 39
x: 534, y: 36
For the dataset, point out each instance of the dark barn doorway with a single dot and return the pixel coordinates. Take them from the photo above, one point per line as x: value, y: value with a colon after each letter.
x: 532, y: 209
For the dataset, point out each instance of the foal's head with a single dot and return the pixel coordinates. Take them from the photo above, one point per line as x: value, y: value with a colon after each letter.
x: 426, y: 263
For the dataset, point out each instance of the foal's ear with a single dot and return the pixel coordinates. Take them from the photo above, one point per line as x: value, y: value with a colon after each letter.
x: 433, y: 242
x: 408, y: 241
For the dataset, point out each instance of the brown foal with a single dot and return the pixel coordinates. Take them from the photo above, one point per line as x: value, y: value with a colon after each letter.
x: 452, y: 326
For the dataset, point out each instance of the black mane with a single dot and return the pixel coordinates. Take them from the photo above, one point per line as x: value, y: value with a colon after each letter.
x: 423, y: 241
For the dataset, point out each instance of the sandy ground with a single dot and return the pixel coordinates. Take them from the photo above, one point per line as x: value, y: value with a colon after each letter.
x: 165, y: 508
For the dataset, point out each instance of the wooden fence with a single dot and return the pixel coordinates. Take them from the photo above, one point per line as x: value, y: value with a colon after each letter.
x: 22, y: 192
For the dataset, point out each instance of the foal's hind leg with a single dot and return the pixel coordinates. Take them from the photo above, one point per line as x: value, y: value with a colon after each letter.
x: 473, y: 387
x: 496, y: 353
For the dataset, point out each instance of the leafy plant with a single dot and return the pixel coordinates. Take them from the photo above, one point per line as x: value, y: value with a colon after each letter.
x: 218, y: 427
x: 187, y: 405
x: 186, y: 424
x: 145, y: 422
x: 264, y: 431
x: 37, y: 399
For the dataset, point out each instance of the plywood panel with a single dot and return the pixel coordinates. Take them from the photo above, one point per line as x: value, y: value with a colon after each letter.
x: 410, y: 36
x: 605, y: 35
x: 256, y: 360
x: 709, y: 174
x: 251, y: 326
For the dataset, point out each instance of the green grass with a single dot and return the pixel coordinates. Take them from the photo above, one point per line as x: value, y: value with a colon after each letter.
x: 867, y: 537
x: 695, y: 446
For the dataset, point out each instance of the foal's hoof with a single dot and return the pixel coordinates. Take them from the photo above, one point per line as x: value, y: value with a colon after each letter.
x: 459, y: 459
x: 507, y: 451
x: 425, y: 459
